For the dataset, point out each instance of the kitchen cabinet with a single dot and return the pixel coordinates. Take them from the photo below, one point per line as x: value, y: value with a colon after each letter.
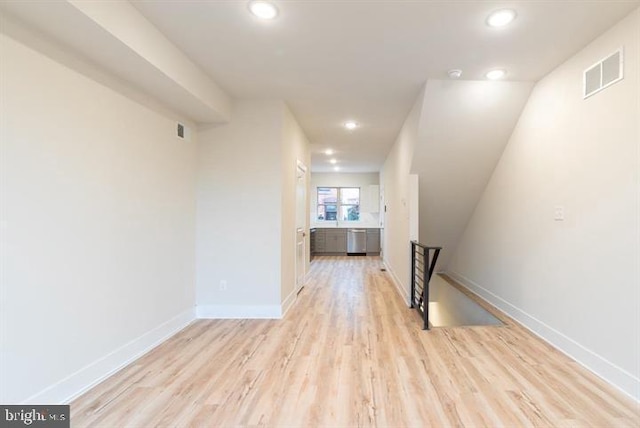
x: 374, y: 198
x: 373, y: 241
x: 336, y: 240
x: 333, y: 241
x: 319, y: 241
x: 312, y: 243
x: 370, y: 199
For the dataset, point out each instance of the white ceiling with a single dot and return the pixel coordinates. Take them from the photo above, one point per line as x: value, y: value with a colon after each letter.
x: 332, y: 60
x: 367, y: 60
x: 95, y: 37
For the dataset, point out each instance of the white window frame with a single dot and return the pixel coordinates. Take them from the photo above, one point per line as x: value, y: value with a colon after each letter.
x: 339, y: 203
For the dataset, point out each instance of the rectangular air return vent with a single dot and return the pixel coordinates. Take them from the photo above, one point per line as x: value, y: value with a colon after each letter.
x: 182, y: 132
x: 603, y: 73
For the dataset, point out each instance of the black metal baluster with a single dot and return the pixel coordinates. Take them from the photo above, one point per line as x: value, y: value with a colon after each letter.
x: 413, y: 273
x: 433, y: 262
x: 420, y: 298
x: 425, y: 291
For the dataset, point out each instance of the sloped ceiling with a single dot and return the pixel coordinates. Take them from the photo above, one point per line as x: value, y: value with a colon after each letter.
x: 330, y: 61
x: 117, y: 38
x: 464, y: 128
x: 367, y: 60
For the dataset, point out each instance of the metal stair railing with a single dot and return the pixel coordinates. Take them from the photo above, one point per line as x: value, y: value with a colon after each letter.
x: 422, y: 267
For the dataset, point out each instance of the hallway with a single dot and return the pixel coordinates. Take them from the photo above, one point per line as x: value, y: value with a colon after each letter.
x: 350, y: 353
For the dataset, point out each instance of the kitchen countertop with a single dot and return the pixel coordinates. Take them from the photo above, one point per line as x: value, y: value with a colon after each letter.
x: 340, y: 225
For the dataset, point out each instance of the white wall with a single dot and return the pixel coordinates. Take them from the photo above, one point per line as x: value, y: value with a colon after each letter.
x: 344, y: 179
x: 575, y: 282
x: 129, y: 26
x: 239, y: 226
x: 395, y: 179
x: 337, y: 179
x: 464, y: 128
x: 295, y: 147
x: 98, y: 220
x: 247, y: 211
x: 118, y: 39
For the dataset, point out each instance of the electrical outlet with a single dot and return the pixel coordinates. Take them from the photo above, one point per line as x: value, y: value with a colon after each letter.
x: 558, y: 213
x: 223, y: 285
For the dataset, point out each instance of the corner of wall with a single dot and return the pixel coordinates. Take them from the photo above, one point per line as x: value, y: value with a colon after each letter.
x: 397, y: 283
x: 91, y: 375
x: 555, y: 274
x: 230, y: 311
x: 607, y: 370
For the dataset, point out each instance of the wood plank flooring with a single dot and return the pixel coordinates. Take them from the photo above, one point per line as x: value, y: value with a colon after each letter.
x: 350, y: 353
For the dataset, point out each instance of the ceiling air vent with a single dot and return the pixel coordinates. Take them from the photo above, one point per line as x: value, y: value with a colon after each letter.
x: 603, y: 73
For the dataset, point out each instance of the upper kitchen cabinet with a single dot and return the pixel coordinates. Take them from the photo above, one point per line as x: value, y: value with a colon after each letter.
x: 371, y: 201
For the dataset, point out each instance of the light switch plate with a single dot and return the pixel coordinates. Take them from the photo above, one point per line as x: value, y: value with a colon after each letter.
x: 558, y: 213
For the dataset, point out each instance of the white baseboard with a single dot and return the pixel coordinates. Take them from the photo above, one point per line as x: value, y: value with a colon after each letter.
x: 616, y: 376
x: 74, y: 385
x: 239, y: 311
x: 288, y: 302
x: 397, y: 283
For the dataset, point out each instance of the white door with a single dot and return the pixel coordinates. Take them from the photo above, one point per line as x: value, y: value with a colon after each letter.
x: 301, y: 220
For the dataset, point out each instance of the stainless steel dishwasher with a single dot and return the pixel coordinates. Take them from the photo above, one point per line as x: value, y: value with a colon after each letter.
x: 357, y: 241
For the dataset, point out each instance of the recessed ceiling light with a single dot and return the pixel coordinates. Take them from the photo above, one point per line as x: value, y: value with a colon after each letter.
x: 500, y: 18
x: 351, y: 125
x: 336, y: 168
x: 496, y: 74
x: 333, y: 161
x: 328, y: 152
x: 263, y: 9
x: 455, y: 73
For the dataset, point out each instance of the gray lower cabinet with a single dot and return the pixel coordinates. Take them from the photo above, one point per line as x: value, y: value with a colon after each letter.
x: 312, y: 242
x: 336, y: 240
x: 320, y: 243
x: 373, y: 241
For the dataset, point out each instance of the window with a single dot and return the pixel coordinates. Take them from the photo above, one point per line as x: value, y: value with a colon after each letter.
x: 338, y: 203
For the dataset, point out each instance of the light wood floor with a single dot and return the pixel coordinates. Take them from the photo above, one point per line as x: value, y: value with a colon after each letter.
x: 350, y: 353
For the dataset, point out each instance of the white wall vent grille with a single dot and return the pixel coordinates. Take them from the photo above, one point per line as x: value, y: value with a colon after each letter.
x: 604, y: 73
x: 182, y: 132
